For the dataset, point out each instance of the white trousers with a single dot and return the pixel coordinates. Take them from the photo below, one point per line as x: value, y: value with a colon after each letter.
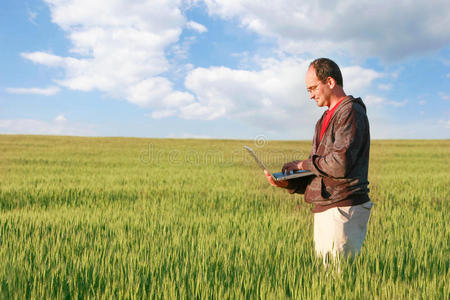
x: 341, y: 230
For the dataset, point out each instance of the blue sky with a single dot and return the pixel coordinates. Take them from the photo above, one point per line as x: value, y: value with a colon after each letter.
x: 219, y: 68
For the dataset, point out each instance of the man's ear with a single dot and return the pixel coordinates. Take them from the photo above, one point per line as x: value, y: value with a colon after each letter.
x: 331, y: 82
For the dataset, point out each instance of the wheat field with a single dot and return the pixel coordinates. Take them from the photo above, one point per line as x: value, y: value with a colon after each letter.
x: 195, y: 219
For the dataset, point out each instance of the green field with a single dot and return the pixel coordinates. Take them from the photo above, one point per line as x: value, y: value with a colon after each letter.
x: 171, y: 218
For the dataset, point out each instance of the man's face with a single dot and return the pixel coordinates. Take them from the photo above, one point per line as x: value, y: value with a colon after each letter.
x: 317, y: 90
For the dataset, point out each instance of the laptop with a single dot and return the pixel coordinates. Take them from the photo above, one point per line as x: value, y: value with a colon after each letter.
x: 279, y: 175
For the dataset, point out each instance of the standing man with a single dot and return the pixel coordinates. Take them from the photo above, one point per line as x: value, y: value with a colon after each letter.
x: 340, y: 160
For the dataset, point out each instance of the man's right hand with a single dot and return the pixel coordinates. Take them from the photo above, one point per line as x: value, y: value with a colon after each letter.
x: 292, y: 166
x: 281, y: 183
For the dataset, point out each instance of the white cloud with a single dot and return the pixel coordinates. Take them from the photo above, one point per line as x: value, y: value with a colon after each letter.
x: 50, y: 91
x: 444, y: 96
x: 157, y: 92
x: 60, y: 118
x: 44, y: 58
x: 385, y: 86
x: 196, y: 26
x: 398, y: 103
x: 273, y: 98
x: 396, y: 74
x: 55, y: 127
x: 376, y: 100
x: 448, y: 75
x: 372, y: 99
x: 159, y: 114
x: 357, y: 79
x: 32, y: 16
x: 446, y: 124
x: 387, y: 29
x: 118, y: 46
x: 180, y: 50
x: 254, y: 96
x: 121, y: 49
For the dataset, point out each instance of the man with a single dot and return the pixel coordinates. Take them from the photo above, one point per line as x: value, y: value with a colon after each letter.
x: 340, y: 161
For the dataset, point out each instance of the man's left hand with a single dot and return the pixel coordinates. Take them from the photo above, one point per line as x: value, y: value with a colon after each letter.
x: 279, y: 183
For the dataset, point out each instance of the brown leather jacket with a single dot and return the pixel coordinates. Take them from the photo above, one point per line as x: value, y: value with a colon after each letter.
x: 340, y: 160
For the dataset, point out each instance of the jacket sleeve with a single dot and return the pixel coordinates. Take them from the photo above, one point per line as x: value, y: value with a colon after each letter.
x: 298, y: 185
x: 350, y: 135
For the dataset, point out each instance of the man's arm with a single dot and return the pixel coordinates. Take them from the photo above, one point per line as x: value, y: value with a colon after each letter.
x: 350, y: 137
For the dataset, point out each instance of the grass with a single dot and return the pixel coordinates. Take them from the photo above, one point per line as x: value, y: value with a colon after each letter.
x: 168, y: 218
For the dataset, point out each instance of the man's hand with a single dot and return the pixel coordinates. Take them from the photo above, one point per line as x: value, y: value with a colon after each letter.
x: 281, y: 183
x: 292, y: 166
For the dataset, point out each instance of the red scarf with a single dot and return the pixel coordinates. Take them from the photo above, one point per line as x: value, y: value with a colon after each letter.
x: 328, y: 116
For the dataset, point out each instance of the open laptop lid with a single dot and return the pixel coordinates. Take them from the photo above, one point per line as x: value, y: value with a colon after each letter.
x: 279, y: 175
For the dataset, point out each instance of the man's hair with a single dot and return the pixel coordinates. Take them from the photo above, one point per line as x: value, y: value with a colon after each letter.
x: 325, y: 68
